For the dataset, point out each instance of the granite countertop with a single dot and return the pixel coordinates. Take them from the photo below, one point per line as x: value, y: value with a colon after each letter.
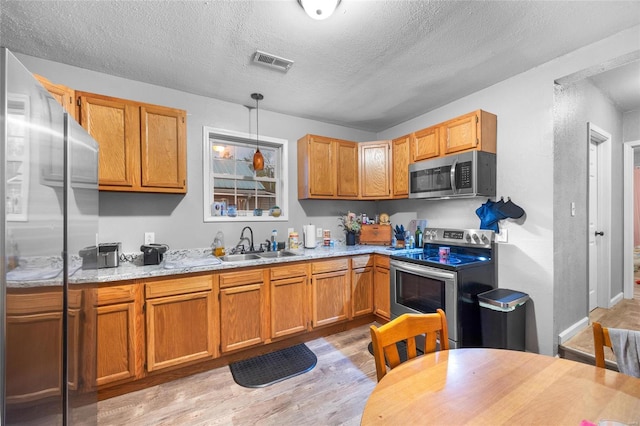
x: 48, y: 272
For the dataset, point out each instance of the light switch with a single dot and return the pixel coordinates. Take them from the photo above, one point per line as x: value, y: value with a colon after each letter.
x: 573, y: 208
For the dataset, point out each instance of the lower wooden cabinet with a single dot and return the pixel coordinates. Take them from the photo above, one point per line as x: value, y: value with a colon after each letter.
x: 361, y: 285
x: 243, y: 315
x: 329, y: 291
x: 119, y: 337
x: 289, y: 300
x: 33, y: 346
x: 381, y: 287
x: 181, y: 326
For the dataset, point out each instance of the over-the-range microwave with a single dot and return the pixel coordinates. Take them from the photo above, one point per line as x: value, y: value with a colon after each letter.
x: 469, y: 174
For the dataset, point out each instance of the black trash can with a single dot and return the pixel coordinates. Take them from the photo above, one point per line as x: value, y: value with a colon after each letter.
x: 502, y: 314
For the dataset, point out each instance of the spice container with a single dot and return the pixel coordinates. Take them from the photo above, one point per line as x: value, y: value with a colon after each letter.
x: 294, y: 241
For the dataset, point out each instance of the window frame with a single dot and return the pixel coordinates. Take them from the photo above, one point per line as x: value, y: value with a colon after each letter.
x: 282, y: 195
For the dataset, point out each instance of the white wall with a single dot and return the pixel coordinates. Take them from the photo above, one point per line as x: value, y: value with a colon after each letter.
x: 524, y: 105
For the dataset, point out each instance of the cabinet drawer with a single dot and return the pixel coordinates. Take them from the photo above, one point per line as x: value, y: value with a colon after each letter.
x: 289, y: 271
x: 231, y: 279
x: 382, y: 261
x: 115, y: 294
x: 361, y: 261
x: 330, y: 266
x: 175, y: 286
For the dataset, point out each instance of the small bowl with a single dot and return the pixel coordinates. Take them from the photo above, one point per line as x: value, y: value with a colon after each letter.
x: 257, y: 212
x: 275, y: 211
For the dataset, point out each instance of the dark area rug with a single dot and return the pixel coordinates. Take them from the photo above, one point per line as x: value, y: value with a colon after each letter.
x: 267, y: 369
x: 402, y: 351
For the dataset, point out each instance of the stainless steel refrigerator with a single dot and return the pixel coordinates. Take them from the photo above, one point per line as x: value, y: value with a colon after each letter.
x: 50, y: 213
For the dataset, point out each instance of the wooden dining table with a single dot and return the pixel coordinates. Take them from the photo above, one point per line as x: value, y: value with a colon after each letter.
x: 494, y: 386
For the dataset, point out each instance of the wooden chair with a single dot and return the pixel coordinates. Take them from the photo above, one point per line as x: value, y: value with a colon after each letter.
x: 600, y: 340
x: 406, y: 327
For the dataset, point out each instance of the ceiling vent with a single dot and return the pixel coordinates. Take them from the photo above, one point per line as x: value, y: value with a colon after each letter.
x: 272, y: 61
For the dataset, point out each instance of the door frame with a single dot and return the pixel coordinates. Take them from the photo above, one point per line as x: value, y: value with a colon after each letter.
x: 602, y: 138
x: 627, y: 237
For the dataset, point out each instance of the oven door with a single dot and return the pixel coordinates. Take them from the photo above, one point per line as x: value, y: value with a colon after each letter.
x: 417, y: 289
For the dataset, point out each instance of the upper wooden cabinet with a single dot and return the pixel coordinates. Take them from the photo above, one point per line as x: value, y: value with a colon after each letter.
x: 375, y: 169
x: 327, y: 168
x: 63, y: 94
x: 426, y: 143
x: 476, y: 130
x: 401, y: 156
x: 142, y: 147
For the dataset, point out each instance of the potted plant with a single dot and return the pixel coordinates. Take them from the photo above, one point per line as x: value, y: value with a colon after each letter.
x: 352, y: 224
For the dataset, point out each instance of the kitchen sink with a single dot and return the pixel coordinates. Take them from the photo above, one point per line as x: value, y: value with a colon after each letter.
x: 279, y: 253
x: 239, y: 257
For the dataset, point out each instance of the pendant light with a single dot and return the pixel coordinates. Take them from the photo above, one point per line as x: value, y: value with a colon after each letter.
x: 258, y: 159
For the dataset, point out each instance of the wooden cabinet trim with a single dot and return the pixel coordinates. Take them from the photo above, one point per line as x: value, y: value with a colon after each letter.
x: 332, y: 265
x: 180, y: 285
x: 289, y: 271
x: 232, y: 279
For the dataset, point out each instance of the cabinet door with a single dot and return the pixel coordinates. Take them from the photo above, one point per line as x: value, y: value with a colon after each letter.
x: 241, y: 316
x: 382, y: 292
x: 117, y: 343
x: 361, y: 291
x: 401, y: 154
x: 163, y: 144
x: 375, y: 169
x: 461, y: 133
x: 322, y: 169
x: 114, y: 124
x: 347, y: 166
x: 179, y: 329
x: 33, y: 346
x: 426, y: 143
x: 63, y: 94
x: 288, y: 306
x: 119, y: 333
x: 330, y: 294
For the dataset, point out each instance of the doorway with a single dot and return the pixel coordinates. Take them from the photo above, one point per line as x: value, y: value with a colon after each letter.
x: 599, y: 218
x: 631, y: 248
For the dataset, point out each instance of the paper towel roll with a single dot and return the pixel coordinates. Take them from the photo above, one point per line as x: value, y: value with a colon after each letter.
x: 309, y: 236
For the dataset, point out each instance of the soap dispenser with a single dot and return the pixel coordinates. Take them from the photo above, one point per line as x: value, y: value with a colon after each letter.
x: 274, y: 242
x: 218, y: 244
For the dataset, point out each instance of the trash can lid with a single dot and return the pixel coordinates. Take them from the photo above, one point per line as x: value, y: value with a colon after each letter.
x: 503, y: 298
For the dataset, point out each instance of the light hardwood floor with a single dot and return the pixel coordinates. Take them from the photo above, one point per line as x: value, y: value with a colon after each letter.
x: 333, y: 393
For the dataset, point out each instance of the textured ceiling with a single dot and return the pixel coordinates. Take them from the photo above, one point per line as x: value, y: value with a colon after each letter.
x: 372, y: 65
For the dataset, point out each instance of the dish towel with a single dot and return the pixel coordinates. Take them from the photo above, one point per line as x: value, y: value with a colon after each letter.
x: 626, y: 347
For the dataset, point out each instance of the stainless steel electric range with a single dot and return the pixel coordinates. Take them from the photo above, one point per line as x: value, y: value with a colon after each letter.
x: 454, y: 267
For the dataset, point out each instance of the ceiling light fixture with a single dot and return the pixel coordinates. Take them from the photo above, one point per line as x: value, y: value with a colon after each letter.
x: 258, y: 159
x: 319, y: 9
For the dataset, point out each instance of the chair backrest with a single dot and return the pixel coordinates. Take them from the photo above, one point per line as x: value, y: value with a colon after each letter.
x: 406, y: 327
x: 600, y: 340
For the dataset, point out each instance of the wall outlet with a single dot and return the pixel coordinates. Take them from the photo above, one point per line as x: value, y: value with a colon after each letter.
x: 149, y: 237
x: 502, y: 236
x: 318, y: 232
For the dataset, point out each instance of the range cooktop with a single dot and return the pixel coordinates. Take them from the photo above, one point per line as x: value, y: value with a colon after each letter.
x: 453, y: 248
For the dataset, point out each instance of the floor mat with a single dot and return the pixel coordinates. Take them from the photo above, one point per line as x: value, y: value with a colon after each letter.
x: 267, y: 369
x: 402, y: 351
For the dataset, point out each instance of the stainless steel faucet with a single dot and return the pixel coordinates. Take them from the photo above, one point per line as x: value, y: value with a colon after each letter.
x: 242, y: 237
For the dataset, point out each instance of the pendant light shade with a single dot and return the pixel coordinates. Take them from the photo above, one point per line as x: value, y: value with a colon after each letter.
x: 319, y: 9
x: 258, y: 159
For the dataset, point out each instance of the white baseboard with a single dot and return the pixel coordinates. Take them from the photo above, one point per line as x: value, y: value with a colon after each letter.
x: 616, y: 299
x: 573, y: 330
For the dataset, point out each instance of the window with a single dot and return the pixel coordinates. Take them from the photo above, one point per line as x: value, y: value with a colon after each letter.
x: 233, y: 190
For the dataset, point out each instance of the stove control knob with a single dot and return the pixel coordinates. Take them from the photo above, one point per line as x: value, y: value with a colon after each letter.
x: 468, y: 238
x: 476, y: 238
x: 485, y: 239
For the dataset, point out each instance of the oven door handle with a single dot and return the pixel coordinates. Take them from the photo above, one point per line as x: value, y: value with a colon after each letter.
x: 421, y: 270
x: 452, y: 176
